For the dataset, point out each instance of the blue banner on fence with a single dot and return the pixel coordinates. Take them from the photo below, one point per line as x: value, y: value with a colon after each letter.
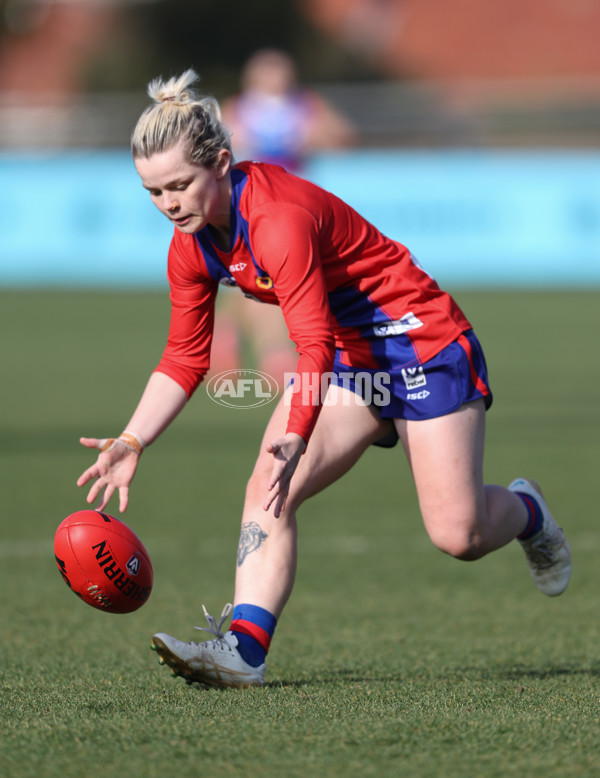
x: 476, y: 218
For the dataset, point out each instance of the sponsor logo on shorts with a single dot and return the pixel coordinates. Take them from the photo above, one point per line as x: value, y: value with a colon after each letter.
x: 418, y: 395
x: 398, y: 327
x: 414, y: 377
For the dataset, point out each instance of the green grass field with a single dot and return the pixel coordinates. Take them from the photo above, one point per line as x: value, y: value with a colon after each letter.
x: 390, y: 660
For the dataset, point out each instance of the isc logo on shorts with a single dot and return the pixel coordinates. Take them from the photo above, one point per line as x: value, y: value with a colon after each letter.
x: 414, y: 377
x: 422, y: 395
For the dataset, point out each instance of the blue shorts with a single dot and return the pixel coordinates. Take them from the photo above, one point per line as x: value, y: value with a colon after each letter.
x: 455, y: 376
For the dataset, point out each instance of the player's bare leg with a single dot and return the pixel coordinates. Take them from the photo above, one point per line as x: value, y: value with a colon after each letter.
x: 466, y: 519
x: 463, y: 517
x: 266, y: 562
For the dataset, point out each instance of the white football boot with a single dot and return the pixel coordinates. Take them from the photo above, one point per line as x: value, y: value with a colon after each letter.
x: 548, y: 553
x: 215, y: 663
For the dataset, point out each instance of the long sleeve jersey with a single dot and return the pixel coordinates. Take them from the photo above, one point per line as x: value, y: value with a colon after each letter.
x: 339, y: 282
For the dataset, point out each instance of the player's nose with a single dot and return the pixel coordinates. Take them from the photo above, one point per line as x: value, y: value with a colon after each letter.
x: 170, y: 203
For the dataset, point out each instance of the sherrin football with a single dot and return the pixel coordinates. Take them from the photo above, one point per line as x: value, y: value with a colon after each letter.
x: 103, y: 561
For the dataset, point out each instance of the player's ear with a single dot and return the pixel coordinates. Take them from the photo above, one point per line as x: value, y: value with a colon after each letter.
x: 222, y: 163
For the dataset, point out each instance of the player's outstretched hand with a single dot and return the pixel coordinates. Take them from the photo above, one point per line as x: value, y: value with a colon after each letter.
x: 286, y: 453
x: 113, y: 470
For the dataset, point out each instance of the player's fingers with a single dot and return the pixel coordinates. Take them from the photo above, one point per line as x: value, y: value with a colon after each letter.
x: 278, y: 506
x: 273, y: 481
x: 277, y: 497
x: 95, y: 490
x: 271, y: 496
x: 279, y: 468
x: 87, y: 475
x: 280, y: 503
x: 92, y: 442
x: 105, y: 498
x: 123, y: 498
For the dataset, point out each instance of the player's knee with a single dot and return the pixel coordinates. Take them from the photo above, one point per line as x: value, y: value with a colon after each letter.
x: 256, y: 488
x: 461, y: 542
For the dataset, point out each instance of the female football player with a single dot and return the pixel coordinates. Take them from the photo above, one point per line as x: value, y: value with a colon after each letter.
x: 357, y: 305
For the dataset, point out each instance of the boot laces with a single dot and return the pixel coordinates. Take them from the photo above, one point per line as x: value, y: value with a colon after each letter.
x: 214, y: 627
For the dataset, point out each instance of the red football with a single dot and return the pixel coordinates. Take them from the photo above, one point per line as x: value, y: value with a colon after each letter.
x: 103, y: 561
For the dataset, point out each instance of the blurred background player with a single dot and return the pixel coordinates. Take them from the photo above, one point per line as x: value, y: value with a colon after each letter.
x: 272, y: 119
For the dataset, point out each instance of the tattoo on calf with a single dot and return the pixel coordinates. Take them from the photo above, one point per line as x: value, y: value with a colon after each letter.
x: 251, y: 539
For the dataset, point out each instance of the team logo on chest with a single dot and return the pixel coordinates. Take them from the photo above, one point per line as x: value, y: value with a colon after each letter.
x: 264, y: 282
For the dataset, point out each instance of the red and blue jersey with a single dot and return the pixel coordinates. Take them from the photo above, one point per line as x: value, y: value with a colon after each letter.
x: 340, y: 284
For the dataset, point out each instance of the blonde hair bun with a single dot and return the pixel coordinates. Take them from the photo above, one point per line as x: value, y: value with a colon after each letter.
x: 179, y: 112
x: 176, y: 90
